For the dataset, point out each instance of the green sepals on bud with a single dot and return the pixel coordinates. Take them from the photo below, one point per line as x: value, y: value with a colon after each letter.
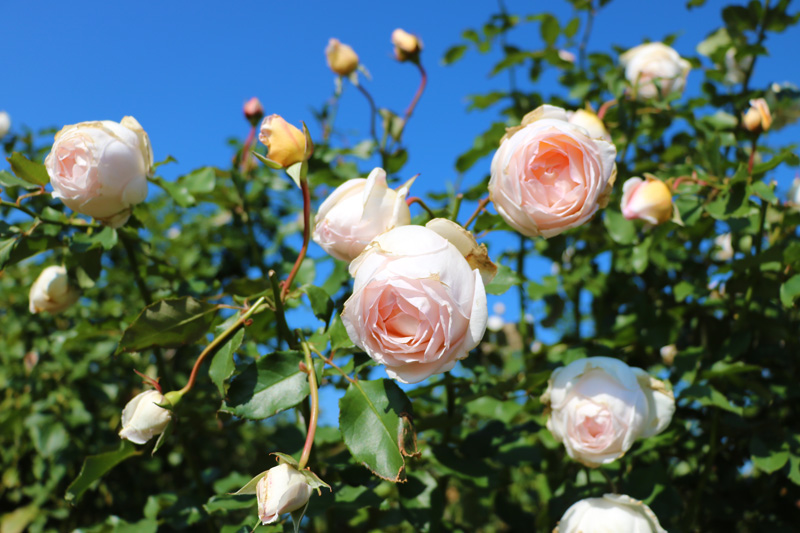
x: 173, y: 398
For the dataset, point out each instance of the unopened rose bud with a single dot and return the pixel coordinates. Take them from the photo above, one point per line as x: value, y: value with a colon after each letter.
x: 476, y: 254
x: 253, y: 110
x: 143, y: 418
x: 282, y: 490
x: 342, y: 59
x: 286, y: 143
x: 590, y: 122
x: 52, y: 292
x: 758, y: 118
x: 649, y: 200
x: 566, y: 55
x: 5, y: 123
x: 668, y: 354
x: 612, y: 512
x: 406, y: 46
x: 724, y: 244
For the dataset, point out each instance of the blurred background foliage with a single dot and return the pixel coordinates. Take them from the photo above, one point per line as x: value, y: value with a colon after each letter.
x: 729, y: 461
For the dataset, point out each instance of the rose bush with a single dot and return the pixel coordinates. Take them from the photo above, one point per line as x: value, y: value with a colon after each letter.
x: 599, y: 406
x: 100, y: 168
x: 550, y: 175
x: 417, y: 307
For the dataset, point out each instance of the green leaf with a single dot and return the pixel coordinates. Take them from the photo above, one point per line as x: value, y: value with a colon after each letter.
x: 549, y: 29
x: 7, y: 179
x: 200, y: 181
x: 83, y: 242
x: 339, y: 337
x: 764, y: 191
x: 768, y: 458
x: 269, y: 162
x: 169, y: 323
x: 268, y: 386
x: 321, y: 303
x: 789, y: 290
x: 373, y: 419
x: 28, y: 170
x: 453, y: 54
x: 707, y: 395
x: 622, y: 230
x: 222, y: 364
x: 96, y: 466
x: 298, y: 172
x: 504, y: 280
x: 250, y: 486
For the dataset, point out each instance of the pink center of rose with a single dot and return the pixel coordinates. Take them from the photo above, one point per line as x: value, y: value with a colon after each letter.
x: 595, y: 426
x: 550, y: 177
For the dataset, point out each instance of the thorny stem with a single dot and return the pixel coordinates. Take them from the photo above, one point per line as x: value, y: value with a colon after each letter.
x: 312, y: 421
x: 306, y: 234
x: 417, y: 200
x: 221, y: 338
x: 481, y: 206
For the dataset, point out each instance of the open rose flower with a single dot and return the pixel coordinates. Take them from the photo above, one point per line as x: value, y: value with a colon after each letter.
x: 52, y: 291
x: 358, y: 211
x: 100, y: 168
x: 613, y: 512
x: 417, y: 306
x: 599, y: 406
x: 655, y: 69
x: 550, y: 175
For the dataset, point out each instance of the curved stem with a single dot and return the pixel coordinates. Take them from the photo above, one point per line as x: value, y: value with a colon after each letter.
x: 481, y: 206
x: 32, y: 214
x: 222, y: 337
x: 417, y: 200
x: 372, y: 110
x: 410, y: 109
x: 585, y: 40
x: 306, y: 235
x: 312, y: 421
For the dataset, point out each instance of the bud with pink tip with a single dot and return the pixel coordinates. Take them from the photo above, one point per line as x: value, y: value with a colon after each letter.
x: 286, y: 144
x: 406, y: 45
x: 649, y: 200
x: 253, y: 110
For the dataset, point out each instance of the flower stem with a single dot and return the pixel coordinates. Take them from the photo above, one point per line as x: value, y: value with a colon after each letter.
x: 30, y: 213
x: 306, y: 234
x: 248, y: 142
x: 410, y: 109
x: 312, y: 421
x: 417, y: 200
x: 222, y: 337
x: 481, y: 207
x: 373, y: 111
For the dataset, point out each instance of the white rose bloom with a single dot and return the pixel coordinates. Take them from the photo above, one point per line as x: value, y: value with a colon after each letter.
x: 143, y: 419
x: 52, y: 292
x: 5, y: 123
x: 100, y: 168
x: 358, y: 211
x: 282, y: 490
x: 599, y: 406
x: 652, y: 64
x: 613, y: 513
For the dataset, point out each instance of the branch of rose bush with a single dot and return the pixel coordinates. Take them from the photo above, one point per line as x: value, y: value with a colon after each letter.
x: 314, y: 391
x: 481, y: 206
x: 78, y: 223
x: 221, y: 338
x: 306, y: 236
x: 418, y: 200
x: 410, y: 109
x: 329, y: 360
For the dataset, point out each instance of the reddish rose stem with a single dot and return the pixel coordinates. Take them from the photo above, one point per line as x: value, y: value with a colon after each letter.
x: 306, y: 234
x: 248, y: 142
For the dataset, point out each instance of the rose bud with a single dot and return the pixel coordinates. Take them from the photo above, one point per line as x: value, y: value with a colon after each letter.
x: 724, y: 247
x: 758, y: 117
x: 52, y: 292
x: 143, y: 418
x: 358, y: 211
x: 653, y: 66
x: 477, y: 255
x: 417, y: 306
x: 668, y: 354
x: 406, y: 46
x: 794, y: 192
x: 342, y: 59
x: 285, y: 143
x: 550, y: 175
x: 599, y: 406
x: 100, y: 168
x: 5, y: 123
x: 589, y: 121
x: 282, y: 490
x: 612, y: 512
x: 649, y: 200
x: 253, y: 110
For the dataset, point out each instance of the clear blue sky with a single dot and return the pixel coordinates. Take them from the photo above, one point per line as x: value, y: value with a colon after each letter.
x: 184, y: 69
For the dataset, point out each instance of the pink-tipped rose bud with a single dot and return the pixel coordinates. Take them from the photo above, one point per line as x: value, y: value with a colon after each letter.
x: 358, y: 211
x: 282, y: 490
x: 286, y: 144
x: 406, y: 46
x: 143, y: 418
x: 758, y: 117
x: 649, y: 200
x: 417, y: 306
x: 653, y: 66
x: 253, y: 110
x: 100, y: 168
x: 613, y: 512
x: 52, y: 292
x: 550, y: 175
x: 599, y: 406
x: 342, y: 59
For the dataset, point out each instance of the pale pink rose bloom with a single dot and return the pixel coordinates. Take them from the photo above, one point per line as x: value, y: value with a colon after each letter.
x: 282, y: 490
x: 599, y: 406
x: 358, y: 211
x: 143, y: 418
x: 100, y: 168
x: 550, y: 175
x: 52, y: 292
x: 613, y: 512
x: 417, y: 306
x: 651, y: 66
